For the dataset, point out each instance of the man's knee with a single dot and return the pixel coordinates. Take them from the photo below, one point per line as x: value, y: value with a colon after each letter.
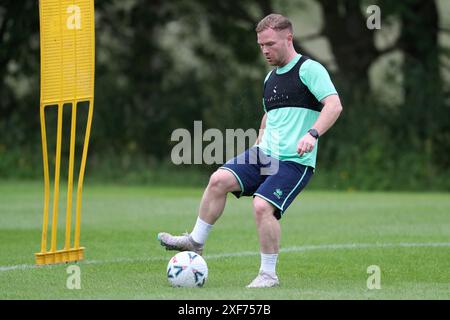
x: 223, y: 181
x: 262, y: 207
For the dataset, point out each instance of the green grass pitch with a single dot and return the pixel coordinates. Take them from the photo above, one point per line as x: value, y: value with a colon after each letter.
x: 329, y: 239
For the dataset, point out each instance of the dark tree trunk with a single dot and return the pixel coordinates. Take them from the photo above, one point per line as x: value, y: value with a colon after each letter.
x: 423, y: 111
x: 421, y: 74
x: 352, y: 44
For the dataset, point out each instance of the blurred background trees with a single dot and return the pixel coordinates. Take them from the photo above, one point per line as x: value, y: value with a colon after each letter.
x: 161, y: 65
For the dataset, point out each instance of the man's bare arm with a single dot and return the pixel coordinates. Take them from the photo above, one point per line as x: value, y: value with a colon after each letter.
x: 261, y: 129
x: 331, y: 110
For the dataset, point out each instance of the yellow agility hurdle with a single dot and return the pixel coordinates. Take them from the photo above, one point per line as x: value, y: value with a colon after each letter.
x: 67, y: 39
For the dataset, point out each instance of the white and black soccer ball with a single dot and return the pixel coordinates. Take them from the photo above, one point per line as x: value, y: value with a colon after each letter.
x: 187, y: 269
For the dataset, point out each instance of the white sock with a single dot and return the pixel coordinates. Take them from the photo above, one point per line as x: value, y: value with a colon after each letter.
x: 201, y: 231
x: 268, y: 263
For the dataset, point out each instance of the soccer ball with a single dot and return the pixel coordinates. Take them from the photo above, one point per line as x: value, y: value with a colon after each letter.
x: 187, y: 269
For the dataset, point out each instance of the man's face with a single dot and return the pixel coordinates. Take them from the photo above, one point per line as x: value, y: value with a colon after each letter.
x: 274, y: 45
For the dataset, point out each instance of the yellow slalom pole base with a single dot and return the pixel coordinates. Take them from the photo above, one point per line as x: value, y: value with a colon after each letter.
x: 60, y: 256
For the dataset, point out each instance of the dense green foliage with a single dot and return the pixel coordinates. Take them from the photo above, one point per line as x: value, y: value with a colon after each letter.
x: 161, y: 65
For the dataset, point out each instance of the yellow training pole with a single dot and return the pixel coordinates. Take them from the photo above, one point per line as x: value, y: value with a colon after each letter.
x: 67, y: 39
x: 81, y: 175
x: 70, y: 175
x: 57, y: 173
x: 46, y: 181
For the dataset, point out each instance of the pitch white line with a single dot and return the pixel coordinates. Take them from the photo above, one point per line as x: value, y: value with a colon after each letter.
x: 248, y: 253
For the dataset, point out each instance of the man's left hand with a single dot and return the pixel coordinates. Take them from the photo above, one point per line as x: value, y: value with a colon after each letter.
x: 306, y: 144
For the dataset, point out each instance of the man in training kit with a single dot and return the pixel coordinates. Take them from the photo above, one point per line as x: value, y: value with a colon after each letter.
x: 300, y: 104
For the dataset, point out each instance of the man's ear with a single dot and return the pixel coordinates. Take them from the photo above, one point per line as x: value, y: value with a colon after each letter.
x: 290, y: 36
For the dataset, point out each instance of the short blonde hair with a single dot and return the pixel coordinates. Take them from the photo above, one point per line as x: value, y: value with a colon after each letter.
x: 274, y: 21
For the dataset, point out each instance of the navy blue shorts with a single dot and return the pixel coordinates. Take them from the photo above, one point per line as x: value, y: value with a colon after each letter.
x: 275, y: 181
